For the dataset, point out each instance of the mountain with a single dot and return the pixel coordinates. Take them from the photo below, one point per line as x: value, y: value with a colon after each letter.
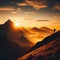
x: 49, y: 49
x: 38, y: 34
x: 12, y: 33
x: 13, y: 43
x: 8, y: 22
x: 45, y: 41
x: 10, y: 50
x: 4, y: 28
x: 46, y: 29
x: 36, y: 29
x: 43, y: 29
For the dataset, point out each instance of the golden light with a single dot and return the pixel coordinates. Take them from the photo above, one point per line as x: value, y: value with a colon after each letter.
x: 16, y: 24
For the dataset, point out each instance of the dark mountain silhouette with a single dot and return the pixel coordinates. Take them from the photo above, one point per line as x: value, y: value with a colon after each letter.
x: 49, y: 49
x: 6, y: 27
x: 13, y: 34
x: 12, y: 42
x: 24, y: 40
x: 8, y: 22
x: 10, y: 50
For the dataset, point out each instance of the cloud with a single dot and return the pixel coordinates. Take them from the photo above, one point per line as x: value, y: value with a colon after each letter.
x: 30, y: 13
x: 22, y: 4
x: 57, y: 7
x: 57, y: 17
x: 6, y: 8
x: 17, y: 10
x: 37, y: 4
x: 42, y: 20
x: 56, y: 23
x: 37, y: 7
x: 13, y: 12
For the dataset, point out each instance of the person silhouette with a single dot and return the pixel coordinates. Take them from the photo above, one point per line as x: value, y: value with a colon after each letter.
x: 54, y: 30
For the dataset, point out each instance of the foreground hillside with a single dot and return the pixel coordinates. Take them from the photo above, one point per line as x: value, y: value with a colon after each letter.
x: 10, y: 50
x: 49, y: 49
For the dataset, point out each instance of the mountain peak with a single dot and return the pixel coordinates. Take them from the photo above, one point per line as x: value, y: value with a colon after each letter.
x: 8, y: 21
x: 8, y: 24
x: 35, y: 28
x: 45, y: 28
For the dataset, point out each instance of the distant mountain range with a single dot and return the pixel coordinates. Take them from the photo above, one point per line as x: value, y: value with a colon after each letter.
x: 45, y: 30
x: 48, y: 49
x: 39, y: 33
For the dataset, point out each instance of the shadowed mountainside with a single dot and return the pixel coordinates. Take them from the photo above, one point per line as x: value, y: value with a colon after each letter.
x: 10, y: 50
x: 49, y: 49
x: 14, y: 34
x: 13, y: 44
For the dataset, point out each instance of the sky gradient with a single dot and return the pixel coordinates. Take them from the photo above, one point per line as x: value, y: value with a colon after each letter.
x: 31, y: 13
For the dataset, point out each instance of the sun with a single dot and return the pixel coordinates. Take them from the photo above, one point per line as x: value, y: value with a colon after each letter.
x: 16, y: 24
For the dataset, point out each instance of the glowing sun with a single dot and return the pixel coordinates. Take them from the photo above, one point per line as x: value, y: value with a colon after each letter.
x: 16, y: 24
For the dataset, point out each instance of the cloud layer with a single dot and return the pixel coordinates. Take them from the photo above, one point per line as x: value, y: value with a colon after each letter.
x: 37, y: 4
x: 6, y: 8
x: 22, y: 4
x: 57, y: 7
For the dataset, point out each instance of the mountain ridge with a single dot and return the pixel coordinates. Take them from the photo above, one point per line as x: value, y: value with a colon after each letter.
x: 45, y: 40
x: 48, y: 51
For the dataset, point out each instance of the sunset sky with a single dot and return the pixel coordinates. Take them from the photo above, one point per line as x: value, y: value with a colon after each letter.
x: 31, y: 13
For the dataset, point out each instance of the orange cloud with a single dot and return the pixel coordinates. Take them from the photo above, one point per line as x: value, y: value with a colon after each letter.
x: 6, y: 8
x: 30, y: 13
x: 36, y: 4
x: 21, y: 4
x: 17, y: 10
x: 57, y: 7
x: 42, y: 20
x: 37, y: 7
